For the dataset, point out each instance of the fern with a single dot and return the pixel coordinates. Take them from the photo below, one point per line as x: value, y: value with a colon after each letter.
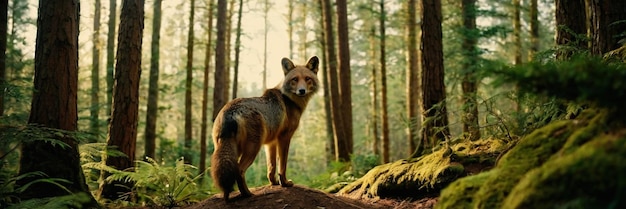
x: 161, y: 185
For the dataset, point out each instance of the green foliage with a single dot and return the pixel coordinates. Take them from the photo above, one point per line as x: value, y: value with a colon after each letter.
x: 9, y: 193
x: 582, y: 79
x: 77, y: 200
x: 162, y: 185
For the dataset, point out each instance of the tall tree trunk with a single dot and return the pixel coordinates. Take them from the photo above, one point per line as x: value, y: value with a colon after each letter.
x: 219, y: 96
x: 534, y: 30
x: 188, y: 131
x: 468, y: 84
x: 290, y: 20
x: 123, y: 127
x: 229, y: 34
x: 335, y: 100
x: 110, y: 55
x: 302, y: 34
x: 373, y: 121
x: 605, y: 25
x: 237, y: 49
x: 330, y: 142
x: 343, y: 51
x: 570, y: 26
x: 54, y: 103
x: 266, y: 10
x: 4, y: 6
x: 383, y: 85
x: 433, y: 105
x: 153, y: 88
x: 205, y: 92
x: 517, y: 60
x: 95, y: 72
x: 412, y: 77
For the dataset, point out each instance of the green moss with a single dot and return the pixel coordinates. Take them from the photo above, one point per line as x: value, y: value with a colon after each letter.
x: 459, y: 194
x: 406, y: 178
x: 530, y: 152
x: 593, y: 175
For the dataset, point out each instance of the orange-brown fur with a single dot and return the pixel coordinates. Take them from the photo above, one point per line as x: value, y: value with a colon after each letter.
x: 244, y: 124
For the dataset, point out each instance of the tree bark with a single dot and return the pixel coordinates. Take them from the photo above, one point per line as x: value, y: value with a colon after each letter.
x: 123, y: 127
x: 153, y: 88
x: 412, y: 77
x: 468, y: 84
x: 333, y: 83
x: 571, y: 27
x: 95, y: 72
x: 433, y: 95
x: 54, y: 103
x: 4, y: 8
x: 237, y: 49
x: 605, y: 25
x: 188, y: 131
x: 205, y: 92
x: 110, y: 56
x: 344, y: 83
x: 534, y: 30
x: 219, y: 96
x: 383, y: 85
x: 330, y: 145
x: 373, y: 119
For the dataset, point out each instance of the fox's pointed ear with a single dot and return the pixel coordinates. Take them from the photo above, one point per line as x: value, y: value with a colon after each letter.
x: 313, y: 64
x: 287, y: 65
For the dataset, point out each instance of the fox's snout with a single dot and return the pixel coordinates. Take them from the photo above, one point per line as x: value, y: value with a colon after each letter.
x: 301, y: 92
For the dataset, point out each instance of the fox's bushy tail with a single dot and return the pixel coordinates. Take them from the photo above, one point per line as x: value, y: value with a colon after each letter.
x: 224, y: 165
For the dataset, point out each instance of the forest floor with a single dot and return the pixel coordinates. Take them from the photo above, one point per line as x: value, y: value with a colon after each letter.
x: 302, y: 197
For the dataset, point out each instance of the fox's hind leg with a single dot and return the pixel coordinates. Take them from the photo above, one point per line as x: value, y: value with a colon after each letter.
x: 249, y: 152
x: 270, y: 154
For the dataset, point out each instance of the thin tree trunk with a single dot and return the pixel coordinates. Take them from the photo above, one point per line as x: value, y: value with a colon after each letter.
x: 95, y: 72
x: 4, y: 6
x: 373, y: 121
x: 237, y: 49
x: 335, y: 100
x: 343, y: 63
x: 468, y: 84
x: 54, y: 104
x: 229, y: 34
x: 383, y: 85
x: 290, y: 21
x: 188, y: 131
x: 205, y: 92
x: 412, y: 72
x: 433, y: 106
x: 303, y: 33
x: 330, y: 142
x: 517, y: 32
x: 153, y: 89
x: 219, y: 96
x: 266, y: 10
x: 534, y: 30
x: 110, y: 55
x: 123, y: 126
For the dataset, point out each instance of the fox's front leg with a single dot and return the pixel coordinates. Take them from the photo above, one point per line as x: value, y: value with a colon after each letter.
x: 283, y: 152
x: 270, y: 154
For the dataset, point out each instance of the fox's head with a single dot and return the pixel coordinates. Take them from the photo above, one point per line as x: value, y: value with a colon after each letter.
x: 300, y: 80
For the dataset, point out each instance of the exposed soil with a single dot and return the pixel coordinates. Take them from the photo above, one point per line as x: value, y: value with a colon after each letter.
x: 302, y: 197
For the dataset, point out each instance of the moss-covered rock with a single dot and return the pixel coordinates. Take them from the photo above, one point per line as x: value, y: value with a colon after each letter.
x: 425, y: 175
x: 593, y: 176
x: 571, y: 164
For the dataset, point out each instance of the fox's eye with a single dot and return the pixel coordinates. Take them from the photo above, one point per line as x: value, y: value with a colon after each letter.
x: 294, y: 79
x: 308, y: 79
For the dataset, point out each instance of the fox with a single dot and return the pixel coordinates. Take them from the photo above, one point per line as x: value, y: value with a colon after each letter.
x: 244, y: 125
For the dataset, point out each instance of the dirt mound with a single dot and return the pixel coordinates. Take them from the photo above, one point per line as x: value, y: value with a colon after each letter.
x: 301, y: 197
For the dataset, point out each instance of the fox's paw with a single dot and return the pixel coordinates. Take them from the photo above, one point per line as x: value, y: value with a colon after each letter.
x: 286, y: 183
x: 245, y: 195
